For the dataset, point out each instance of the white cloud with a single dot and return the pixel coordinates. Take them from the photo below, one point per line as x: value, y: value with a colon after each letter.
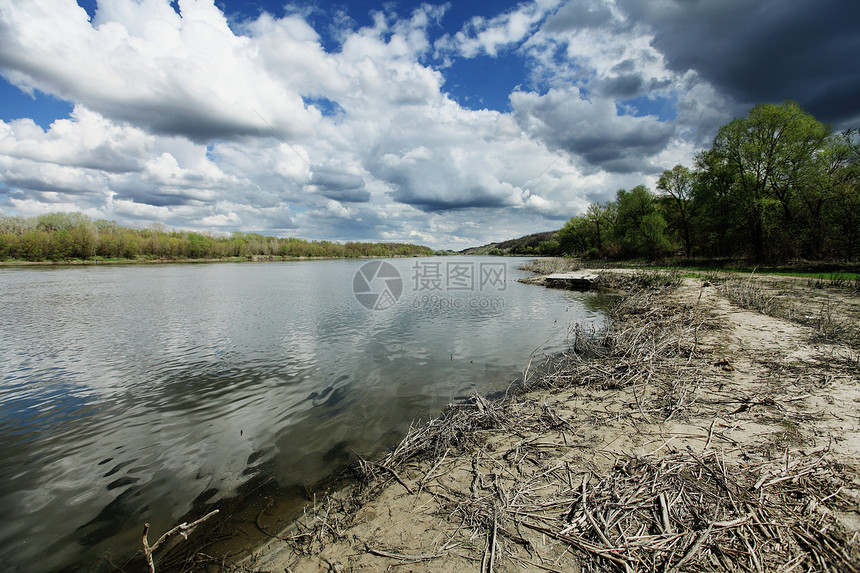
x: 336, y: 209
x: 541, y: 205
x: 143, y: 63
x: 86, y: 140
x: 230, y: 219
x: 181, y: 119
x: 30, y: 207
x: 487, y: 36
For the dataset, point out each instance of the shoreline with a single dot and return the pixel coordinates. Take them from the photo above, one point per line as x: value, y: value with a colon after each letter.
x: 253, y: 259
x: 687, y: 392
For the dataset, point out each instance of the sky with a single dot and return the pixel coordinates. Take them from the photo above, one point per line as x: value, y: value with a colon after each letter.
x: 444, y: 124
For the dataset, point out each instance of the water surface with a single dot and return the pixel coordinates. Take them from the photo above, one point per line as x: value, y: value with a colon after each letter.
x: 134, y: 393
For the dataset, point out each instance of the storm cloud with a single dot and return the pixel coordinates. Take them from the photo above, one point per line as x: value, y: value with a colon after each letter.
x: 766, y: 51
x: 196, y: 116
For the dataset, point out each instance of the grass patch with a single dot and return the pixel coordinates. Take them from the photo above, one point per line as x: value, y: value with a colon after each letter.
x: 826, y: 316
x: 831, y: 276
x: 550, y: 265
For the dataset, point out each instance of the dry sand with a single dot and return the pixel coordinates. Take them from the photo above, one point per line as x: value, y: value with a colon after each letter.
x: 694, y: 435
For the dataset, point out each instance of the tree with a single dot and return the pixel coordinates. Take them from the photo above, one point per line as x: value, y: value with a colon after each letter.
x: 59, y: 236
x: 600, y: 218
x: 841, y: 212
x: 639, y: 225
x: 766, y: 156
x: 712, y: 194
x: 678, y: 184
x: 652, y: 241
x: 573, y: 237
x: 199, y: 246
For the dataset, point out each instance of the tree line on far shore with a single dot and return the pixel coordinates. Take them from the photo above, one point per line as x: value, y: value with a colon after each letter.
x: 74, y: 236
x: 776, y: 185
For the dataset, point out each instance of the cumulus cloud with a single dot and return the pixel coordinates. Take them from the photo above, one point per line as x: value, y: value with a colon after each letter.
x: 488, y: 35
x: 146, y: 64
x: 84, y: 140
x: 592, y: 129
x: 339, y: 184
x: 230, y: 219
x: 193, y: 118
x: 578, y: 15
x: 549, y: 209
x: 594, y: 46
x: 440, y: 164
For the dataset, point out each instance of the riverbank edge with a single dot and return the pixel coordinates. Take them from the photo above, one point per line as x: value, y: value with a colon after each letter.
x: 253, y: 259
x: 343, y: 530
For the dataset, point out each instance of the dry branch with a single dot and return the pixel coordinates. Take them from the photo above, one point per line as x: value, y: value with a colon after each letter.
x: 182, y: 529
x: 402, y: 557
x: 668, y: 511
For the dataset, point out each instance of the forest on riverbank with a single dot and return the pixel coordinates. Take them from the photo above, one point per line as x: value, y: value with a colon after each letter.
x: 775, y: 186
x: 74, y: 236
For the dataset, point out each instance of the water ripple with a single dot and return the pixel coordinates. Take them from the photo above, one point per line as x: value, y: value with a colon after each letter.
x: 131, y: 394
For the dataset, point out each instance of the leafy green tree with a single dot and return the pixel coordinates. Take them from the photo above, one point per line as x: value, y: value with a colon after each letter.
x: 652, y: 240
x: 712, y: 194
x: 573, y: 236
x: 15, y: 225
x: 548, y: 248
x: 841, y: 206
x: 639, y: 226
x: 199, y: 246
x: 59, y: 236
x: 34, y: 245
x: 677, y: 183
x: 765, y: 157
x: 9, y: 246
x: 601, y: 218
x: 106, y: 225
x: 131, y: 248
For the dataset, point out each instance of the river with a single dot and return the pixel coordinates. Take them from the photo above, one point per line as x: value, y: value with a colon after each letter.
x: 136, y: 393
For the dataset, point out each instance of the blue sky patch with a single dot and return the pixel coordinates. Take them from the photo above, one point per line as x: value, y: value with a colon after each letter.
x: 661, y: 106
x: 41, y: 108
x: 484, y: 82
x: 326, y: 106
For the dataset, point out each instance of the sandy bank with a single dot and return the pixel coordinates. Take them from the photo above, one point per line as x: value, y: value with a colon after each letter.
x: 693, y: 435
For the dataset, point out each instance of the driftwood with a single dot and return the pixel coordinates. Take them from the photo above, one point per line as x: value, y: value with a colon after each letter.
x: 670, y: 510
x: 182, y: 529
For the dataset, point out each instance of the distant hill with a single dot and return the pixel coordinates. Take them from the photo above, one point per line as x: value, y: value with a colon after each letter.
x: 534, y: 244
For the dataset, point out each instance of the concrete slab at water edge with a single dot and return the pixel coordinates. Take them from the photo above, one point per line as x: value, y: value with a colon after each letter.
x: 571, y: 280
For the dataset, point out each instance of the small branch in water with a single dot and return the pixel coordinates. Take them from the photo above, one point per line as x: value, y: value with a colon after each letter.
x: 181, y: 529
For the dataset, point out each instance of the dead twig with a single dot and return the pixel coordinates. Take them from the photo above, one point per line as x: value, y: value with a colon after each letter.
x: 402, y: 557
x: 182, y: 529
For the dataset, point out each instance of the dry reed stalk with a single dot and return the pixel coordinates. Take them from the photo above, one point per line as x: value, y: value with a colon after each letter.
x: 676, y: 511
